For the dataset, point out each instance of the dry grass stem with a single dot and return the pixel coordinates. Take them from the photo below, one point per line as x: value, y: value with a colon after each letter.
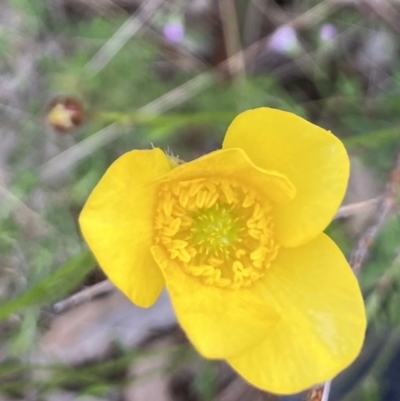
x: 122, y: 36
x: 94, y: 291
x: 385, y: 206
x: 356, y: 208
x: 237, y: 65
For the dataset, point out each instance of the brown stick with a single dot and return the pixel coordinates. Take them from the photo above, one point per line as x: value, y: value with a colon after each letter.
x: 385, y: 205
x: 89, y: 293
x: 355, y: 208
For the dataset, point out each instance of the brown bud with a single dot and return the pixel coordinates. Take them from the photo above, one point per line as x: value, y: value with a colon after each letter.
x: 65, y: 113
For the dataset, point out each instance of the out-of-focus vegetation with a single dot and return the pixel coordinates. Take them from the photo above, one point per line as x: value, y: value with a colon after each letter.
x: 156, y: 73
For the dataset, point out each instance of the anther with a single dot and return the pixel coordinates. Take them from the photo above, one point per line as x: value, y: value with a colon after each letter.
x: 216, y: 230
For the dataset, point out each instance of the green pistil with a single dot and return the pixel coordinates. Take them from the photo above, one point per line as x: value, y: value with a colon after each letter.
x: 216, y: 227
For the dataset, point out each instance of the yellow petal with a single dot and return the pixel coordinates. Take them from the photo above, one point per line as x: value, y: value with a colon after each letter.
x: 322, y: 322
x: 235, y: 164
x: 313, y: 159
x: 117, y: 224
x: 219, y: 322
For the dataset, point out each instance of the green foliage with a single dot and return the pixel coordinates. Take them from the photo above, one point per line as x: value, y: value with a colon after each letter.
x: 52, y: 287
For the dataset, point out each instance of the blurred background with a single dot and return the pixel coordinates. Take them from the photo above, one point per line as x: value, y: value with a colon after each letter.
x: 83, y: 81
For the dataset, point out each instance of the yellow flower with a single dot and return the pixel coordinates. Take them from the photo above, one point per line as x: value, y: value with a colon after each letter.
x: 236, y: 237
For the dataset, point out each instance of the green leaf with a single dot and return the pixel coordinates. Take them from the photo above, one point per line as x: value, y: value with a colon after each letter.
x: 54, y: 286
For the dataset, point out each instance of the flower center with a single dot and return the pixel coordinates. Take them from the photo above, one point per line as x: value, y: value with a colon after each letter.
x: 217, y: 230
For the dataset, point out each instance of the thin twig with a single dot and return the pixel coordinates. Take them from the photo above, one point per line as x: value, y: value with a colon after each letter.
x: 385, y: 206
x: 227, y: 11
x: 122, y: 36
x: 327, y: 390
x: 26, y: 213
x: 319, y: 393
x: 387, y: 12
x: 356, y: 208
x: 94, y: 291
x: 64, y: 161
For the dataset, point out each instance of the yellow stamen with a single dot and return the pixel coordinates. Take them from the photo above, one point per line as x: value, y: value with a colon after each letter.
x: 217, y: 230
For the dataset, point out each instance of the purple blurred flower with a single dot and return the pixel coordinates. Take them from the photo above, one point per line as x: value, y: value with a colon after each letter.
x: 328, y: 32
x: 283, y: 40
x: 174, y: 31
